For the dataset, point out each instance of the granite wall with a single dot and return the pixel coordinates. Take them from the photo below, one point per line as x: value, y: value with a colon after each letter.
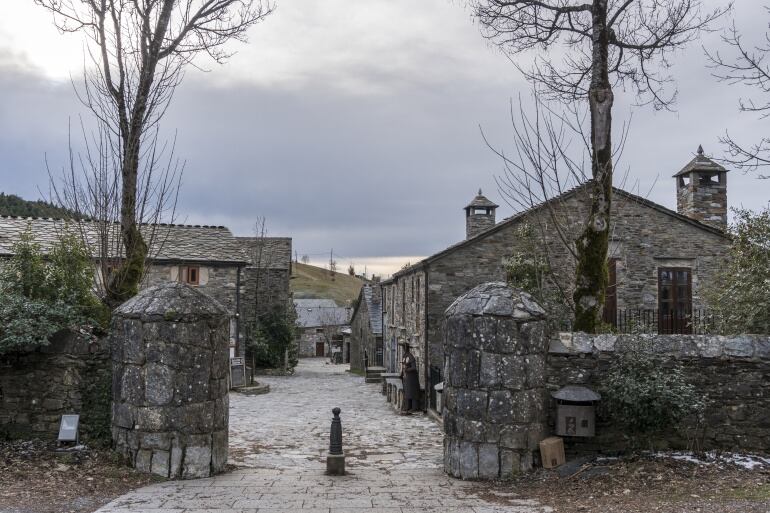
x: 731, y: 373
x: 38, y: 387
x: 170, y: 382
x: 494, y: 388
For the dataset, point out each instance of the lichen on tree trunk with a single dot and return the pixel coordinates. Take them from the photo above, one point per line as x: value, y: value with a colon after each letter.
x: 593, y: 243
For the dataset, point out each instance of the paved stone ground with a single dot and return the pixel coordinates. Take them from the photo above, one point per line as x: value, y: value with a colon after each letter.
x: 279, y: 440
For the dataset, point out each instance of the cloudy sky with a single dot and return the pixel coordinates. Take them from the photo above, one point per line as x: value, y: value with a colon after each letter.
x: 353, y: 125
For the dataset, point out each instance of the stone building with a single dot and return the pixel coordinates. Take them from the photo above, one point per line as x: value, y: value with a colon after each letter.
x: 265, y: 281
x: 366, y: 329
x: 209, y: 258
x: 659, y: 260
x: 319, y: 327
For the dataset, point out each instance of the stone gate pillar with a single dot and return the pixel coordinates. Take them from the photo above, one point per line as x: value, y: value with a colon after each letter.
x: 494, y: 382
x: 169, y: 382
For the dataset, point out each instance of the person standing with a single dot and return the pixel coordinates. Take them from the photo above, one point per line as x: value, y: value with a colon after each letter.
x: 410, y: 379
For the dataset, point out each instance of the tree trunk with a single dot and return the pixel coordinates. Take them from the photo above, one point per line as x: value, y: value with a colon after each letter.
x: 593, y: 243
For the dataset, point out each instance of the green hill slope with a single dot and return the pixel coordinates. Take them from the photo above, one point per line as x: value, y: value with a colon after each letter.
x: 12, y: 205
x: 309, y: 282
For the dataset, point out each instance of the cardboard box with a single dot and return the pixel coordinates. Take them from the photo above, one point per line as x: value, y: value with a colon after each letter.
x: 552, y: 452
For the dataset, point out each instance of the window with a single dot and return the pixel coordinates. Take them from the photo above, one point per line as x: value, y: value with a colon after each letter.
x: 190, y: 274
x: 480, y: 211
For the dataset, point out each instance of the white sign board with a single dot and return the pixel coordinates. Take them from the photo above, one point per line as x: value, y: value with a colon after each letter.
x: 68, y: 428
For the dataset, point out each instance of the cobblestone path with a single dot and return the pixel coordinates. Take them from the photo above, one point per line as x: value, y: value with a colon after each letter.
x: 279, y: 440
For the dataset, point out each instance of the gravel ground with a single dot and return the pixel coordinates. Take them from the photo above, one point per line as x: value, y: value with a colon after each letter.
x: 34, y: 479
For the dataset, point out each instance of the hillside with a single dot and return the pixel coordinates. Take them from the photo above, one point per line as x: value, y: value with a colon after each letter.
x: 12, y: 205
x: 309, y: 282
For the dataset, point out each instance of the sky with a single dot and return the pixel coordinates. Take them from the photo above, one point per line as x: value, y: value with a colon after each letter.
x: 355, y: 127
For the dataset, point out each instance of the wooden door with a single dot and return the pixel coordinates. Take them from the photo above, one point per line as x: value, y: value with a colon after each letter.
x: 674, y: 300
x: 319, y: 348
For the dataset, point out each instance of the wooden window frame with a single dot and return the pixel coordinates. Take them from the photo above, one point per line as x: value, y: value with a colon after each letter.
x: 185, y: 274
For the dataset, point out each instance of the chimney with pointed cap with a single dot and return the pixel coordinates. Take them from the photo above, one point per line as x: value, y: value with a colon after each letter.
x: 701, y: 191
x: 479, y: 215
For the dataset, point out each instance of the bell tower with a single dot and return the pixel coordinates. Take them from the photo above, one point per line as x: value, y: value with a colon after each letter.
x: 701, y: 191
x: 479, y: 215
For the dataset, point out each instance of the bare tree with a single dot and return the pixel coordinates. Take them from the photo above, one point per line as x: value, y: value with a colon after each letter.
x: 608, y: 43
x: 261, y: 261
x: 748, y: 65
x: 138, y: 51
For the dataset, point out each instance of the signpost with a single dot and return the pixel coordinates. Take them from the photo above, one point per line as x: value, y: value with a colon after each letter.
x: 237, y: 372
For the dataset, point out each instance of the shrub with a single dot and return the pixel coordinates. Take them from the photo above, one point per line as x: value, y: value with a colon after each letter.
x: 40, y: 297
x: 272, y: 337
x: 645, y: 398
x: 740, y: 294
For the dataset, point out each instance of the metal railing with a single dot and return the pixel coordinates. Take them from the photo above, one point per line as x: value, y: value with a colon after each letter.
x: 675, y: 322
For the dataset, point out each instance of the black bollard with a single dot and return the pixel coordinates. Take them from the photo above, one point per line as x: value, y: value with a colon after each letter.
x: 335, y: 460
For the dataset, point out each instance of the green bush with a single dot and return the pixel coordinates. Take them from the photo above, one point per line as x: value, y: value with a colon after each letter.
x: 271, y: 338
x: 645, y: 398
x: 40, y: 297
x: 739, y: 296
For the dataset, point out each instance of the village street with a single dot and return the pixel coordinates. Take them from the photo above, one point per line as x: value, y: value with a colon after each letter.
x: 279, y: 440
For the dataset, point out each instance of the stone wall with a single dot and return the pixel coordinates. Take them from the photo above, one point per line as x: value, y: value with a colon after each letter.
x: 731, y: 373
x: 494, y: 387
x: 170, y: 382
x: 38, y: 387
x: 404, y: 302
x: 217, y: 281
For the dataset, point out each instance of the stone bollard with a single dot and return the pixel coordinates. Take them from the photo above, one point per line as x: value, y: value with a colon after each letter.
x: 494, y: 383
x: 170, y: 361
x: 335, y: 460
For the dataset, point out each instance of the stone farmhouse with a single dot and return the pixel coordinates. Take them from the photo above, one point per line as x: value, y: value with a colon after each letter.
x: 366, y: 349
x: 209, y: 258
x: 659, y: 261
x: 320, y: 327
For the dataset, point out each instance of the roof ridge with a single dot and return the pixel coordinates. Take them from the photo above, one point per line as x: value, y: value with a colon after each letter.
x: 176, y: 225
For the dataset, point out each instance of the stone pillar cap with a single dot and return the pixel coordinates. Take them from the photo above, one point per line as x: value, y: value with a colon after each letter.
x: 171, y: 301
x: 497, y: 299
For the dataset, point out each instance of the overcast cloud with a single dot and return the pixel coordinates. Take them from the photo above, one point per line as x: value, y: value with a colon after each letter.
x: 352, y: 125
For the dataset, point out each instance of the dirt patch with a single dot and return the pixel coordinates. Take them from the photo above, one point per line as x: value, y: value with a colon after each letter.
x: 34, y: 479
x: 642, y: 485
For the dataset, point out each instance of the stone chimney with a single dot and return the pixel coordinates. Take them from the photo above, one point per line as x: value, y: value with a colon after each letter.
x: 479, y: 215
x: 701, y: 191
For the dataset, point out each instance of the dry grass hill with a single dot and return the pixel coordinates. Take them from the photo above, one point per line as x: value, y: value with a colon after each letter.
x: 310, y: 282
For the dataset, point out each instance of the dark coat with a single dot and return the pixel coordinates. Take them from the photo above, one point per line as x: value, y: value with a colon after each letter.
x: 410, y: 377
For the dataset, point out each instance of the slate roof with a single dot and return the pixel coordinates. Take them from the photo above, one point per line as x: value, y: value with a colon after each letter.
x: 314, y: 303
x: 318, y: 316
x: 276, y: 252
x: 172, y: 242
x: 505, y: 222
x: 701, y: 163
x: 371, y: 295
x: 481, y: 201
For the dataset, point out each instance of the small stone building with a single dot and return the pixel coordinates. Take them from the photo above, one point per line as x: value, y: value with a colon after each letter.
x: 366, y: 329
x: 319, y: 326
x: 659, y: 260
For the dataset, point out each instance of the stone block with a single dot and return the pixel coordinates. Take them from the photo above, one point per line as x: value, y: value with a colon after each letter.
x: 122, y: 415
x: 159, y: 384
x: 485, y: 333
x: 514, y: 437
x: 473, y: 368
x: 473, y: 430
x: 219, y: 450
x: 510, y: 463
x: 469, y: 460
x: 489, y: 364
x: 143, y: 461
x: 175, y: 463
x: 160, y: 463
x: 508, y: 340
x: 131, y: 339
x: 153, y: 418
x: 513, y: 372
x: 489, y: 461
x: 536, y: 370
x: 197, y: 461
x: 155, y: 441
x: 762, y: 347
x: 741, y: 347
x: 132, y: 386
x: 471, y: 404
x: 501, y: 407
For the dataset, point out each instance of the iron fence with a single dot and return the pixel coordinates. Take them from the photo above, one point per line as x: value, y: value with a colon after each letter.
x: 660, y: 321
